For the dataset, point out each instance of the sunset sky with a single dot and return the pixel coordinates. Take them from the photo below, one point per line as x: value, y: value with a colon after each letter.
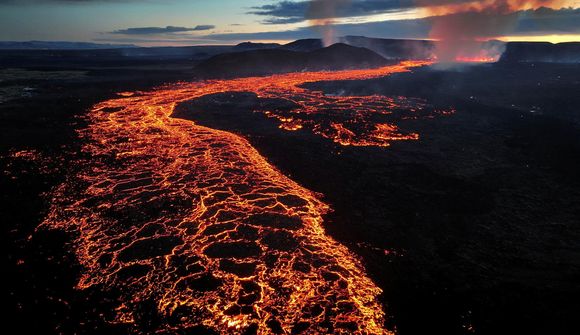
x: 189, y: 22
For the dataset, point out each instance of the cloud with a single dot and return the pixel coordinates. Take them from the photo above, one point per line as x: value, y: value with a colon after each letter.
x: 549, y: 21
x: 160, y: 30
x: 297, y: 11
x: 388, y: 29
x: 24, y: 2
x: 284, y: 12
x: 137, y: 40
x: 283, y: 20
x: 531, y: 22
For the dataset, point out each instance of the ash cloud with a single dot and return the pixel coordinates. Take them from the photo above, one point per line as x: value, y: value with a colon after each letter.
x: 462, y: 27
x: 321, y: 14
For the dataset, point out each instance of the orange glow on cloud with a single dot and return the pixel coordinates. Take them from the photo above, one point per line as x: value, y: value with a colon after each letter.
x: 492, y: 6
x: 460, y: 28
x: 553, y: 38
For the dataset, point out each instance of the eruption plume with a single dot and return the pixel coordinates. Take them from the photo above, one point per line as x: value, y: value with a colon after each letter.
x: 462, y: 27
x: 322, y: 13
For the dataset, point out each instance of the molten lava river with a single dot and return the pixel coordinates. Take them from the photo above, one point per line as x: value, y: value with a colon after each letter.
x: 195, y: 222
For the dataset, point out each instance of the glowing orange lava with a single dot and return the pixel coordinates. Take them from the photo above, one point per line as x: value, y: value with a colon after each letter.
x: 476, y: 59
x: 196, y: 221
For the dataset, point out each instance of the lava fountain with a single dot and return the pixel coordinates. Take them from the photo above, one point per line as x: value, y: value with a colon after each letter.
x: 196, y: 223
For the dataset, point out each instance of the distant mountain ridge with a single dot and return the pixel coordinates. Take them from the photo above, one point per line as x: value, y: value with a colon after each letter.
x: 398, y: 49
x: 59, y: 45
x: 64, y: 45
x: 255, y: 46
x: 78, y: 55
x: 390, y: 49
x: 387, y: 48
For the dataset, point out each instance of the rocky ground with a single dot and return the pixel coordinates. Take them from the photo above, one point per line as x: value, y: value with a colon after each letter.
x: 471, y: 229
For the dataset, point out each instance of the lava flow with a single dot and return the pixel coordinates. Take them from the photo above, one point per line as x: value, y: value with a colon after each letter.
x: 193, y: 224
x: 480, y: 59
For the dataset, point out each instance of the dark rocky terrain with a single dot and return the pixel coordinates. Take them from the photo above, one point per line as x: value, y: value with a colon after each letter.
x: 542, y: 52
x: 39, y: 268
x: 472, y: 229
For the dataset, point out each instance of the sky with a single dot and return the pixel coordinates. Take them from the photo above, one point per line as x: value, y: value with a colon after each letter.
x: 197, y: 22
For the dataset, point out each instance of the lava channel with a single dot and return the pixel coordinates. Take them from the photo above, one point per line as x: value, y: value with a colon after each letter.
x: 196, y: 221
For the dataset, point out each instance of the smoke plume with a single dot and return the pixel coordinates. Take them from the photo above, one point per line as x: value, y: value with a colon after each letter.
x: 322, y: 13
x: 461, y: 27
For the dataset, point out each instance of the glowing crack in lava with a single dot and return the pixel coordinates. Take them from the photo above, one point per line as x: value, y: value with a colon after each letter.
x: 196, y: 221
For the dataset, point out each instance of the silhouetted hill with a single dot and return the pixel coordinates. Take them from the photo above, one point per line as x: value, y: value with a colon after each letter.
x: 269, y: 61
x: 245, y: 46
x: 340, y: 56
x: 388, y: 48
x: 393, y: 48
x: 303, y: 45
x: 542, y: 52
